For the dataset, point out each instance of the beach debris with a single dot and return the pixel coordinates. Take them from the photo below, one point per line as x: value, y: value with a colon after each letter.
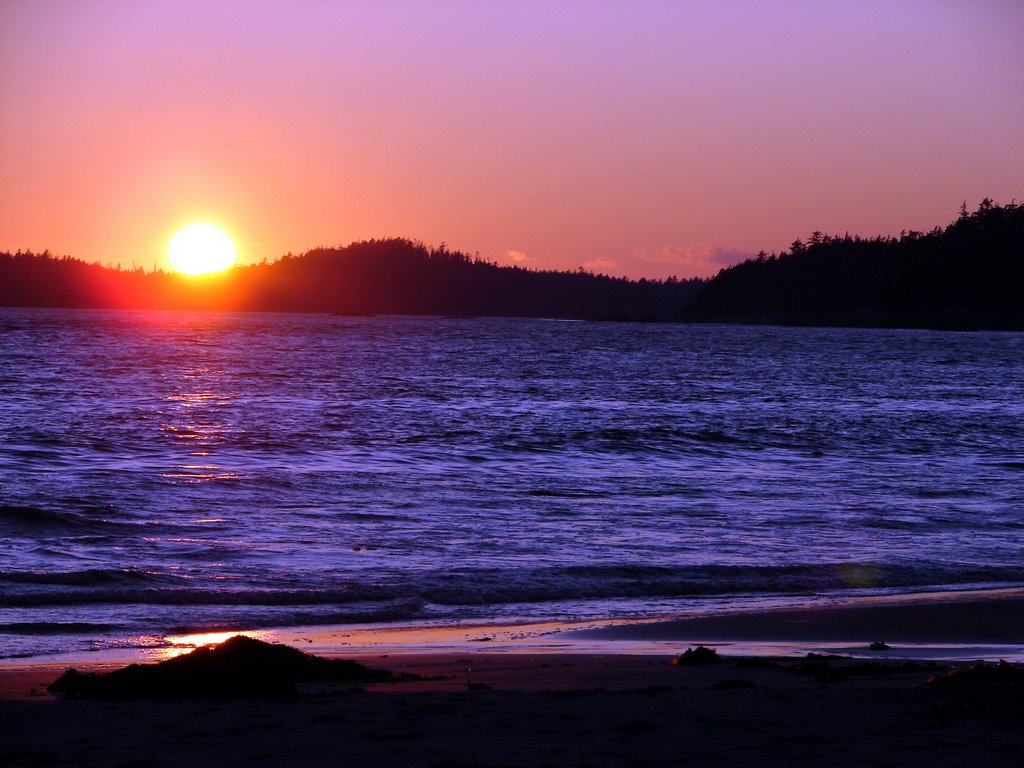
x: 819, y: 668
x: 878, y: 645
x: 834, y: 669
x: 474, y: 686
x: 697, y: 657
x: 732, y: 684
x: 756, y: 662
x: 238, y: 668
x: 391, y: 735
x: 637, y: 727
x: 981, y: 673
x: 657, y: 689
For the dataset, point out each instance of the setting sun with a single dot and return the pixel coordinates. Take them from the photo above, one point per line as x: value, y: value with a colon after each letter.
x: 200, y: 248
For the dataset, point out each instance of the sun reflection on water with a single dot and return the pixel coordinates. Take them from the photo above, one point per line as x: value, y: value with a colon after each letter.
x: 201, y: 420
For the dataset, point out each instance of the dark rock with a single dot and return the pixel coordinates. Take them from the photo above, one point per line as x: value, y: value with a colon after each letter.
x: 696, y: 657
x: 878, y: 645
x: 239, y: 668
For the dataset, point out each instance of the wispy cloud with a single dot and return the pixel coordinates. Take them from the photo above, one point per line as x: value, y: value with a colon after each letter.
x: 518, y: 257
x: 694, y: 260
x: 601, y: 265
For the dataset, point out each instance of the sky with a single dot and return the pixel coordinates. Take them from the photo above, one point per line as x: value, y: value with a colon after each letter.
x: 637, y: 138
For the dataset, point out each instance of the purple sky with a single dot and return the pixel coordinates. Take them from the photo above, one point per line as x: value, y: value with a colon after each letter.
x: 638, y: 138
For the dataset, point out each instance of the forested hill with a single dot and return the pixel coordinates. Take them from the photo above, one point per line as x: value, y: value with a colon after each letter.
x: 393, y: 276
x: 969, y: 275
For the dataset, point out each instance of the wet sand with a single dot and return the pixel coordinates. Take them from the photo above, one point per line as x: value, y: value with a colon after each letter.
x: 507, y: 705
x: 982, y: 619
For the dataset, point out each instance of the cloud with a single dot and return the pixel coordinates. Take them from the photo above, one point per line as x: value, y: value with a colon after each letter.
x: 601, y: 265
x: 694, y: 260
x: 517, y: 257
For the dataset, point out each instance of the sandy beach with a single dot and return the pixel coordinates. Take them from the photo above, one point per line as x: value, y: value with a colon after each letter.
x: 476, y: 704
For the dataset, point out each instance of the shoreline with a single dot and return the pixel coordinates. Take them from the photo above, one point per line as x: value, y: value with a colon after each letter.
x: 993, y: 616
x: 951, y: 625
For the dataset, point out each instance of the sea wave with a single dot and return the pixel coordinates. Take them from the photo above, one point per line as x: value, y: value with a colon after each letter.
x: 83, y: 578
x: 484, y: 586
x: 56, y: 628
x: 29, y: 520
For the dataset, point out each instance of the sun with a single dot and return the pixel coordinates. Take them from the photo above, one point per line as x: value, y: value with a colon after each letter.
x: 200, y: 248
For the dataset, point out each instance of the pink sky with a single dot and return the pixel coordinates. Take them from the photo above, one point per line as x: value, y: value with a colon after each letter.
x: 636, y: 138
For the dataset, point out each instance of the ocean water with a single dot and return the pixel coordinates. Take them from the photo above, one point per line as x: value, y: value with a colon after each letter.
x: 166, y: 472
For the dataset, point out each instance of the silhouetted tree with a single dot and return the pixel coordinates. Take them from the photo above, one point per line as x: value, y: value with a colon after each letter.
x: 968, y: 275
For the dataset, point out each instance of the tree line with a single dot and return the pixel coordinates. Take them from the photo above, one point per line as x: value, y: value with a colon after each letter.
x: 383, y: 276
x: 968, y: 275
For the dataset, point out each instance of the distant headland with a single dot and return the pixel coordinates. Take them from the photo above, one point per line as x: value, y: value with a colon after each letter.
x: 390, y: 276
x: 968, y: 275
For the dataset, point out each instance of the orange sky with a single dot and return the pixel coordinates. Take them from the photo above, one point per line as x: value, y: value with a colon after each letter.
x: 637, y: 138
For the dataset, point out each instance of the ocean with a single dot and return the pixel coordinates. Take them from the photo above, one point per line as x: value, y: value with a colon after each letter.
x: 170, y: 472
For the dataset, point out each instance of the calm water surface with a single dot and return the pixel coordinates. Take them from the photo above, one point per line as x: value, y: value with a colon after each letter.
x: 168, y: 472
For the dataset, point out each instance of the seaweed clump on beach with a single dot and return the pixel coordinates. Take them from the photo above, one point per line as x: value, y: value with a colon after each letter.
x: 981, y: 673
x: 697, y: 657
x: 827, y: 668
x: 239, y: 668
